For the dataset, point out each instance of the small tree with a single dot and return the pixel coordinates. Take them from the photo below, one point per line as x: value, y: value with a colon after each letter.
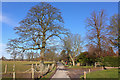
x: 28, y: 56
x: 73, y: 45
x: 51, y: 55
x: 12, y: 48
x: 64, y: 55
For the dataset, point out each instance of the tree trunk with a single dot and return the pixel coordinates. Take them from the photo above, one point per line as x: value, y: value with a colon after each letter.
x: 32, y: 56
x: 99, y: 43
x: 42, y: 55
x: 73, y: 61
x: 43, y: 48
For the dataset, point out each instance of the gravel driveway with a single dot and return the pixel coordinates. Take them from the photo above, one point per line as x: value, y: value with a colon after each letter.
x: 61, y: 73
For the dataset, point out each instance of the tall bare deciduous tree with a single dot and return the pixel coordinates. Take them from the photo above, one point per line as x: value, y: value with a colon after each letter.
x: 42, y: 23
x: 73, y: 45
x: 113, y: 29
x: 96, y: 29
x: 12, y: 48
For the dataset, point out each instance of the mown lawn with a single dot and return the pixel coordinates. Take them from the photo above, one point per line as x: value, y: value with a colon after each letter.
x: 110, y: 73
x: 20, y: 66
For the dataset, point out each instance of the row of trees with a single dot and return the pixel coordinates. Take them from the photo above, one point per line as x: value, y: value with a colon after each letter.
x: 44, y: 24
x: 102, y: 39
x: 100, y: 33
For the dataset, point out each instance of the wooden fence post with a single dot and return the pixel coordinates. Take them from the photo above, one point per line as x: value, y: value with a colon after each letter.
x: 84, y: 74
x: 48, y: 66
x: 32, y: 69
x: 102, y: 68
x: 89, y: 70
x: 52, y: 66
x: 36, y: 64
x: 13, y: 67
x: 13, y: 75
x: 95, y: 64
x: 6, y: 68
x: 14, y: 72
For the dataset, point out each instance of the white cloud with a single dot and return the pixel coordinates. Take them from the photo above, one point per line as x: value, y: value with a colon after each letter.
x: 2, y: 48
x: 7, y: 20
x: 2, y: 45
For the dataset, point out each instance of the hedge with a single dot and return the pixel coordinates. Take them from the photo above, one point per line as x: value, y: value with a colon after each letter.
x: 111, y: 61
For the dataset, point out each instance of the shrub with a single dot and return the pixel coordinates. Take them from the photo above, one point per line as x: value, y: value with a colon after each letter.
x: 111, y: 61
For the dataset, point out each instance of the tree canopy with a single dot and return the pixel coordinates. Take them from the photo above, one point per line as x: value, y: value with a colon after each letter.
x: 42, y: 24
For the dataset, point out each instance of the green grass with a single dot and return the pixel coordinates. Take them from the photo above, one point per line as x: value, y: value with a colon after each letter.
x: 20, y: 66
x: 111, y: 73
x: 75, y: 67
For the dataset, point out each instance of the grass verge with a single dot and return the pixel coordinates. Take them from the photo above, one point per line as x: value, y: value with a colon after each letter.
x: 50, y: 74
x: 110, y: 73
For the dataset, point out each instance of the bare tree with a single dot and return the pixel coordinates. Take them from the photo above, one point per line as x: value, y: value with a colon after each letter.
x: 42, y: 22
x: 96, y: 29
x: 12, y: 48
x: 64, y: 55
x: 20, y: 56
x: 51, y: 55
x: 31, y: 55
x: 113, y: 29
x: 36, y: 55
x: 28, y: 56
x: 73, y: 45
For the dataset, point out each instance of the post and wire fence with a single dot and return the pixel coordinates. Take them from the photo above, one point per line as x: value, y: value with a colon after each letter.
x: 35, y: 69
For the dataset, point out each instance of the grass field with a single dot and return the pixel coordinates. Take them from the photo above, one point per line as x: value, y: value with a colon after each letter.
x: 20, y: 66
x: 110, y: 73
